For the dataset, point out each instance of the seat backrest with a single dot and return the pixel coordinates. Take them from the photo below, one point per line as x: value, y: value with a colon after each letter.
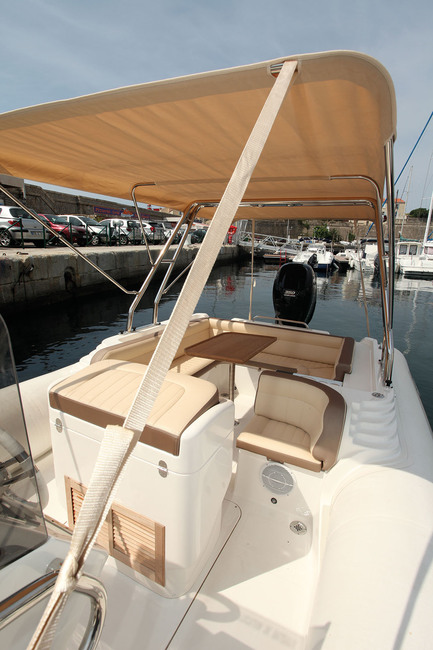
x: 139, y: 348
x: 314, y: 407
x: 300, y: 404
x: 291, y: 342
x: 196, y: 331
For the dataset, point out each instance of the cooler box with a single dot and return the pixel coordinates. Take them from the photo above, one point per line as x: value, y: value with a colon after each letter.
x: 166, y: 516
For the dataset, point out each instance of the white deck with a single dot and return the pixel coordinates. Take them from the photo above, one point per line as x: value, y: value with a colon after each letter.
x: 259, y: 585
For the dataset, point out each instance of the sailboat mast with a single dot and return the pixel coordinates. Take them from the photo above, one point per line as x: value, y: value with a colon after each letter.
x: 427, y: 227
x: 407, y: 199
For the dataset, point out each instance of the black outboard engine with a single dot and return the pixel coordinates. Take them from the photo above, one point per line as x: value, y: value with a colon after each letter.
x: 294, y: 292
x: 313, y: 261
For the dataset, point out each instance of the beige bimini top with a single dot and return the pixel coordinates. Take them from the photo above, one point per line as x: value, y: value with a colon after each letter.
x: 182, y: 137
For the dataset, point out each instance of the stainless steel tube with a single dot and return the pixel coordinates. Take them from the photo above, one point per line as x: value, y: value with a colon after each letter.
x: 23, y: 600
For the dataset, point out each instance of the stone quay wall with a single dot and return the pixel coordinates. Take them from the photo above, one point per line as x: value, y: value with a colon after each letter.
x: 34, y: 277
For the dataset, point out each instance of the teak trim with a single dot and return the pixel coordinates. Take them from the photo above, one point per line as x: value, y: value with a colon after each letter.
x: 129, y: 537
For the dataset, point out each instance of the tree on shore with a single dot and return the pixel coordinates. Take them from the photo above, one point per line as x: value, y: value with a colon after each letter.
x: 323, y: 232
x: 419, y: 213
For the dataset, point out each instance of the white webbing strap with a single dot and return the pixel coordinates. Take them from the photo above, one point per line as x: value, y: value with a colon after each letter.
x: 207, y: 255
x: 114, y: 451
x: 118, y: 442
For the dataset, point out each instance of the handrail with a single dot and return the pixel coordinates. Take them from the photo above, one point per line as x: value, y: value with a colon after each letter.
x: 391, y: 229
x: 155, y: 265
x: 163, y: 288
x: 140, y: 220
x: 23, y: 600
x: 386, y: 286
x: 173, y: 282
x: 295, y: 323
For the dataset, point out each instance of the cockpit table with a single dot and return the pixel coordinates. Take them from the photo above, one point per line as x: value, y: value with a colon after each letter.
x: 232, y: 347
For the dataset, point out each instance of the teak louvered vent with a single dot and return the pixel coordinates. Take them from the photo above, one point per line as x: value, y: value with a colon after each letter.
x: 133, y: 539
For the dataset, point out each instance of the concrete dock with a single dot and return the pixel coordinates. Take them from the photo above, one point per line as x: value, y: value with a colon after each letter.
x: 33, y: 276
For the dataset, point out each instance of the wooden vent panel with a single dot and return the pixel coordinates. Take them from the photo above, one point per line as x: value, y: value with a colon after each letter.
x: 129, y: 537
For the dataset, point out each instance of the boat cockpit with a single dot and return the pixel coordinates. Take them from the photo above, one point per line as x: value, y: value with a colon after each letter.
x: 230, y: 469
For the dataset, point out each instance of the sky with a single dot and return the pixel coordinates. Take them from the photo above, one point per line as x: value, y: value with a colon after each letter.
x: 56, y: 49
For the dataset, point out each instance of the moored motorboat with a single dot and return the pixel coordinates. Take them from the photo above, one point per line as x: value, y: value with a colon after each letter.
x: 415, y: 259
x: 251, y: 462
x: 345, y: 258
x: 364, y: 261
x: 317, y: 256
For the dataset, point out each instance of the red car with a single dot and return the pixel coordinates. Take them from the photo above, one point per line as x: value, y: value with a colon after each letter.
x: 74, y: 234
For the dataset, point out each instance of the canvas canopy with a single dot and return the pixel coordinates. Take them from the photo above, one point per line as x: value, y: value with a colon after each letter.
x: 182, y: 138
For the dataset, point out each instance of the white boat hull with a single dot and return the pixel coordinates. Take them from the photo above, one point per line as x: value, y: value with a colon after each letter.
x: 262, y: 583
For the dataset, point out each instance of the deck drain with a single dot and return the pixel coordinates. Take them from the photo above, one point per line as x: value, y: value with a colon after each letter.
x: 298, y: 527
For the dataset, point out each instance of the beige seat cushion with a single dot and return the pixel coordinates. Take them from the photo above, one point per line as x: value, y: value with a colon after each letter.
x: 191, y: 365
x: 292, y: 364
x: 296, y: 420
x: 102, y: 394
x: 278, y: 441
x: 310, y: 353
x: 140, y: 348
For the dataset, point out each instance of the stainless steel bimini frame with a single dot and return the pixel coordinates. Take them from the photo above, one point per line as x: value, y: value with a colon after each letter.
x: 386, y: 270
x: 67, y: 243
x: 386, y: 261
x: 187, y: 221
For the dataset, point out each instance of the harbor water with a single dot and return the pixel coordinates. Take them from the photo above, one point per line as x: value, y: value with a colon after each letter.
x: 58, y: 335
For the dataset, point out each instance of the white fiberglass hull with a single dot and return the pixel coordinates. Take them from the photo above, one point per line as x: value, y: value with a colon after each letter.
x: 358, y: 577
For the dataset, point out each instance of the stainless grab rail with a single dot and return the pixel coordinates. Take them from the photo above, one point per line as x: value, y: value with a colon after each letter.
x: 295, y: 323
x: 386, y: 275
x: 23, y: 600
x: 163, y: 288
x: 187, y: 217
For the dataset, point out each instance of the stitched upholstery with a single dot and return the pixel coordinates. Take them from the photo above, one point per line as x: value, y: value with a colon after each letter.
x: 102, y: 394
x: 296, y: 420
x: 301, y: 351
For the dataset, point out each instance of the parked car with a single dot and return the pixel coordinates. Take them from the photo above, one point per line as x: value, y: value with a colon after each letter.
x: 168, y: 230
x: 198, y: 235
x: 74, y: 234
x: 17, y: 227
x: 94, y: 233
x: 130, y: 229
x: 124, y: 230
x: 154, y: 232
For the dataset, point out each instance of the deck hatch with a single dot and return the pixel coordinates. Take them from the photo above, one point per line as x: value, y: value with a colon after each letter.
x: 129, y: 537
